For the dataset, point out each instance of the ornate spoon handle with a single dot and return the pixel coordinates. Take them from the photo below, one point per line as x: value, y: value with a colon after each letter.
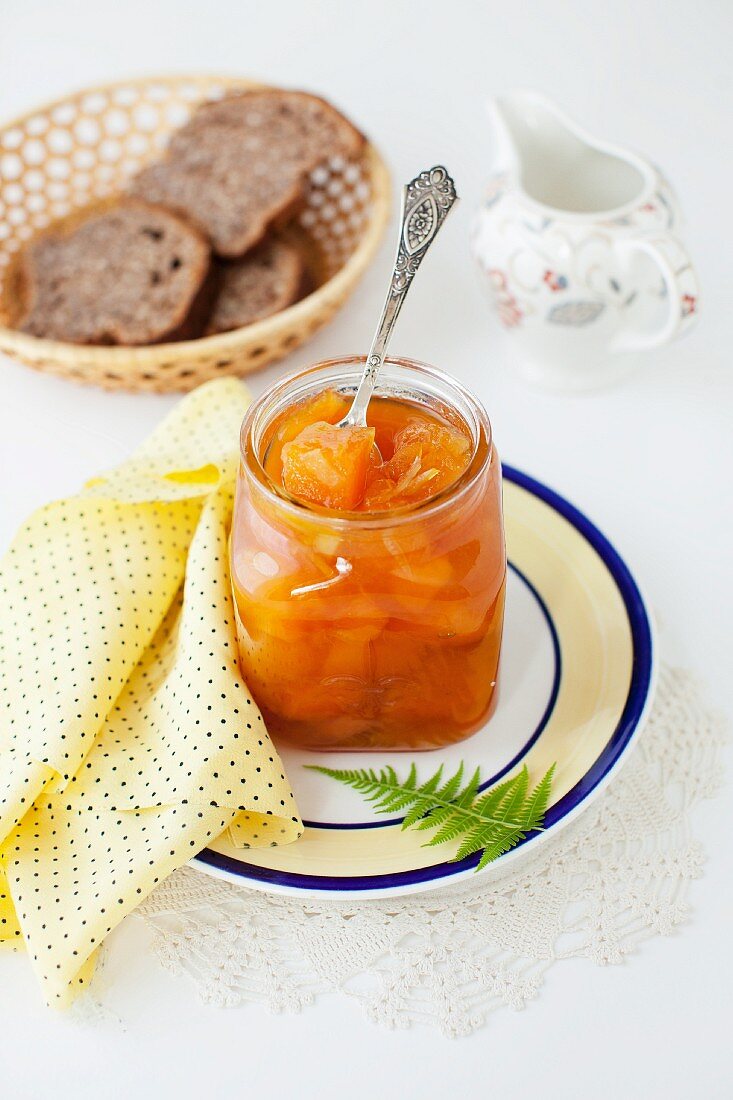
x: 426, y: 201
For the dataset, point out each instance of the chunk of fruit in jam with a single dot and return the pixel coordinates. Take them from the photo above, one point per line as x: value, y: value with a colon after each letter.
x: 428, y: 457
x: 328, y: 406
x: 328, y: 466
x: 421, y: 454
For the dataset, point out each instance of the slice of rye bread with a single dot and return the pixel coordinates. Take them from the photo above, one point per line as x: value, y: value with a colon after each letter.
x: 242, y: 162
x: 134, y: 274
x: 266, y: 280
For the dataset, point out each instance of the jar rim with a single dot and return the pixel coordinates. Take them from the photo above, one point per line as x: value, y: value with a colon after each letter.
x: 254, y: 467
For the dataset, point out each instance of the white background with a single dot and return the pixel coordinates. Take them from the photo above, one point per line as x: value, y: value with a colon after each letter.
x: 650, y: 461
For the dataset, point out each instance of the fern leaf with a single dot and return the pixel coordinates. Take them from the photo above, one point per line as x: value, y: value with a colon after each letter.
x: 491, y: 824
x: 498, y: 848
x: 536, y: 805
x: 516, y: 796
x: 483, y: 834
x: 450, y: 798
x: 469, y: 792
x: 450, y: 789
x: 489, y: 804
x: 411, y: 780
x: 452, y: 827
x: 424, y: 796
x: 418, y: 811
x: 432, y: 784
x: 435, y: 816
x: 432, y: 800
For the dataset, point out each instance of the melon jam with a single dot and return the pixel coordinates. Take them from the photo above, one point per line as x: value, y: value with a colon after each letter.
x: 369, y: 586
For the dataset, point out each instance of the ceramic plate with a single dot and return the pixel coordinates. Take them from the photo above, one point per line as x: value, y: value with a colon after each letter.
x: 576, y: 682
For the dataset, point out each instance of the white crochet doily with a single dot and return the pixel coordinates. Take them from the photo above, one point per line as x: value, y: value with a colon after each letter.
x: 617, y: 876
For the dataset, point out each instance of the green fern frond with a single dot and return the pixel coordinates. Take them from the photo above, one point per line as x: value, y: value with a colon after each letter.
x: 516, y: 796
x: 469, y: 792
x: 536, y: 805
x: 492, y: 802
x: 451, y: 788
x: 420, y: 808
x: 498, y: 848
x: 491, y: 823
x: 450, y: 827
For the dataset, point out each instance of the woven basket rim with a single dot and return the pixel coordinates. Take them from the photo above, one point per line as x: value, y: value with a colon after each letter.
x: 22, y: 343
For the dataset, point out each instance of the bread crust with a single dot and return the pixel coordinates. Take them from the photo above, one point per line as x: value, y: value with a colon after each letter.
x: 134, y: 274
x: 231, y: 184
x: 266, y: 280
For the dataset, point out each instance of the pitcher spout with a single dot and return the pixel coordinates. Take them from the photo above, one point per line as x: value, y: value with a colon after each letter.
x: 527, y: 126
x: 556, y: 163
x: 506, y: 155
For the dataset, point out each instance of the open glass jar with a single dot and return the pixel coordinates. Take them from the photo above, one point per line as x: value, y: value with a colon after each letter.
x: 364, y: 631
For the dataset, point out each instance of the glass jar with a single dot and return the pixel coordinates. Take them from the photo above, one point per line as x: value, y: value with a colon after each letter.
x: 363, y: 631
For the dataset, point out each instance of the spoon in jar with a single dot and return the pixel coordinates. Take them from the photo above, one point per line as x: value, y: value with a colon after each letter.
x: 426, y: 202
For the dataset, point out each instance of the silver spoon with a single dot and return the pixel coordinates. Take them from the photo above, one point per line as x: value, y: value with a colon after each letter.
x: 426, y: 201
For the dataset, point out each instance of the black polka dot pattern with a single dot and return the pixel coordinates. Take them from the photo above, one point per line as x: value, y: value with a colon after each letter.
x: 128, y: 739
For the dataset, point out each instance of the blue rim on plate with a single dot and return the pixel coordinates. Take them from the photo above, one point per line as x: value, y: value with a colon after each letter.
x: 636, y: 704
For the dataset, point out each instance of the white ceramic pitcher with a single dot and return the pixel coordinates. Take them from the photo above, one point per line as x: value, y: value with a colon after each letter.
x: 578, y: 241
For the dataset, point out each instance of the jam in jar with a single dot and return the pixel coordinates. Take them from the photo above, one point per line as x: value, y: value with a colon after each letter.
x: 368, y: 566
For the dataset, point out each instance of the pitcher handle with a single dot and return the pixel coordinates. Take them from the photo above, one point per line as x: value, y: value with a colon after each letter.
x: 680, y: 280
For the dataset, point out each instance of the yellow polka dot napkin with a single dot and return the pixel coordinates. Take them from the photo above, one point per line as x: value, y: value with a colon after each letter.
x: 128, y: 738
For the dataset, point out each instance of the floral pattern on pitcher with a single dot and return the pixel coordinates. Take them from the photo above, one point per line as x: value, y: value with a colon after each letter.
x: 506, y: 304
x: 544, y: 259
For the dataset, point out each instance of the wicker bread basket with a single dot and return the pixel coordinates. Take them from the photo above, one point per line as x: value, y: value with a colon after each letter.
x: 78, y: 152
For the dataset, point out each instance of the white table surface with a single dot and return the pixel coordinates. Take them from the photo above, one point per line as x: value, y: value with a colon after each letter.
x: 651, y: 462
